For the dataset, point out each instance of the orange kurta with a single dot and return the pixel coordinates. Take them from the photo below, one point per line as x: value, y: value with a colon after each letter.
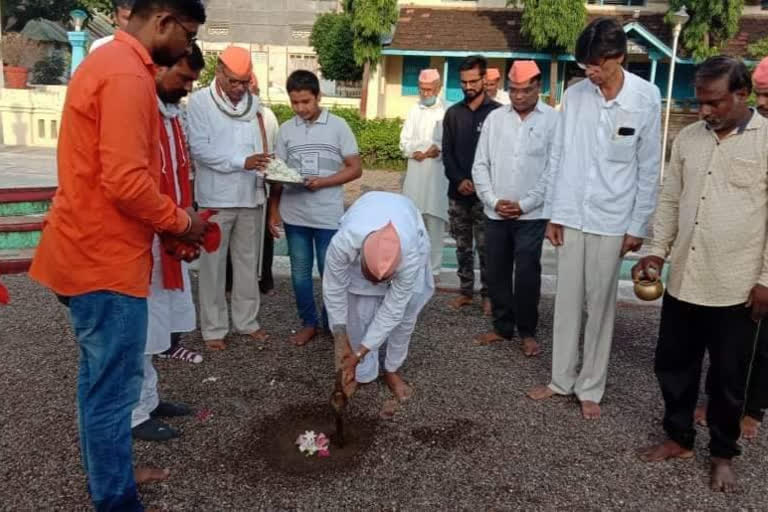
x: 98, y: 234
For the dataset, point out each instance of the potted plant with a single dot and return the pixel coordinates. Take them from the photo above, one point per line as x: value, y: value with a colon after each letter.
x: 19, y: 54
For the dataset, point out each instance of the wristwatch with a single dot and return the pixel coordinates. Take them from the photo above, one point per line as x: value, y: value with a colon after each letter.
x: 359, y: 355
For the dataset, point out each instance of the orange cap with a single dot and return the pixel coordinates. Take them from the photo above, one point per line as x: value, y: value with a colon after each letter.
x: 492, y: 74
x: 238, y: 60
x: 760, y: 76
x: 381, y: 252
x: 523, y: 70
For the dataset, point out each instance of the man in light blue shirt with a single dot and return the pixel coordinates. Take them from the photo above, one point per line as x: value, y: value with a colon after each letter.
x: 510, y: 176
x: 602, y: 192
x: 321, y: 147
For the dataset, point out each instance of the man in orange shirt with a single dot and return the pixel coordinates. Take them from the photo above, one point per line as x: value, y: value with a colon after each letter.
x: 95, y: 251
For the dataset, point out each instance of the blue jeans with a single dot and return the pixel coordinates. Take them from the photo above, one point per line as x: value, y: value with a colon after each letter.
x: 111, y: 332
x: 303, y: 244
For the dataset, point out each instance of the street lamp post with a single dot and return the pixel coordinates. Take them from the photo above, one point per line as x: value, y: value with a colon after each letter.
x: 680, y: 18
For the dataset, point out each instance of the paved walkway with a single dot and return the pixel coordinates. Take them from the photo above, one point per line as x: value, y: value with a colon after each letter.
x: 27, y: 167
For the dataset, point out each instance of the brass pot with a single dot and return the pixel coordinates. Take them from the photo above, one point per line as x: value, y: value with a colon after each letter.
x: 649, y: 290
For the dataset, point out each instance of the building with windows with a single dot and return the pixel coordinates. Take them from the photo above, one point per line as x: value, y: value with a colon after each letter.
x: 439, y: 34
x: 276, y: 32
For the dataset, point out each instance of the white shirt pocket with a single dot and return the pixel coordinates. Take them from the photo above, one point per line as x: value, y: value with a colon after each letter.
x: 621, y: 149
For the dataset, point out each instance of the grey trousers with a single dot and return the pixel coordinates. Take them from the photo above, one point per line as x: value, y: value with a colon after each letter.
x: 241, y: 234
x: 587, y: 272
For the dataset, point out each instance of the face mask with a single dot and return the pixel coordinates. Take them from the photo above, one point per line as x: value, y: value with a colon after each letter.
x: 428, y: 102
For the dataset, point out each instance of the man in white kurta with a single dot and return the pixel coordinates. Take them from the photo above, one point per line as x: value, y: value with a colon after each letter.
x: 228, y: 144
x: 494, y: 86
x: 425, y: 182
x: 374, y: 310
x: 170, y: 310
x: 603, y: 183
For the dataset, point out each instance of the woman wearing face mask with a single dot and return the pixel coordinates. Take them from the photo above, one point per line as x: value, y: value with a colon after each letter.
x: 425, y: 182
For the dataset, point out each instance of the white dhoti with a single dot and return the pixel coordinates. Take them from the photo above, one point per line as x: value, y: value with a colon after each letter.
x: 169, y: 311
x: 362, y: 309
x: 436, y: 231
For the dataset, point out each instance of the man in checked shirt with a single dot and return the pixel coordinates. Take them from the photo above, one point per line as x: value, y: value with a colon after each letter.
x: 711, y: 225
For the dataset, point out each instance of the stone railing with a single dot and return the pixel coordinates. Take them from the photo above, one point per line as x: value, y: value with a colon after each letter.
x: 31, y: 117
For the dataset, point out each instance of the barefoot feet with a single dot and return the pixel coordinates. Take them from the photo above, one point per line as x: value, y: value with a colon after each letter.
x: 664, y: 451
x: 461, y: 301
x: 541, y: 393
x: 260, y: 335
x: 488, y: 338
x: 147, y: 475
x: 590, y: 410
x: 530, y: 347
x: 215, y: 345
x: 304, y: 336
x: 397, y: 385
x: 722, y: 477
x: 749, y: 428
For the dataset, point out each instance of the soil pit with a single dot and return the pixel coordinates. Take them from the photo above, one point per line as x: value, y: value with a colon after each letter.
x: 274, y: 440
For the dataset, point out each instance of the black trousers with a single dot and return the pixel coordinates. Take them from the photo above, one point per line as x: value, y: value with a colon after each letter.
x: 267, y: 282
x: 757, y: 388
x: 729, y: 335
x: 513, y: 266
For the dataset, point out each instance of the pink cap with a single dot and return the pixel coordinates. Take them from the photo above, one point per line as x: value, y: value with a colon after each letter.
x: 492, y: 74
x: 760, y: 76
x: 238, y: 60
x: 428, y: 76
x: 381, y: 252
x: 523, y: 70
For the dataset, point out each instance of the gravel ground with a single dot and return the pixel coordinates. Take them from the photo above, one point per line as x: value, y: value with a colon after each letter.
x: 469, y: 439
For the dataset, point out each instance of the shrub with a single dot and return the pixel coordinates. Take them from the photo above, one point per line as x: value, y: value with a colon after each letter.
x: 50, y: 71
x: 209, y: 71
x: 379, y: 142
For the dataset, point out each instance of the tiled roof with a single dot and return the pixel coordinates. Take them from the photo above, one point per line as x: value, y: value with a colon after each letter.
x: 489, y: 30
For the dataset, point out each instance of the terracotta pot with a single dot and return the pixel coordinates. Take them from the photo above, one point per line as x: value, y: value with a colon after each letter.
x: 15, y: 77
x: 649, y: 290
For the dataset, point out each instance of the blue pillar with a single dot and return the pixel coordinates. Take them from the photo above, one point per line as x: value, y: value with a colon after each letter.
x: 78, y: 41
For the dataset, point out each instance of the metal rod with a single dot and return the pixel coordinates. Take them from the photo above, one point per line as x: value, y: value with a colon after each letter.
x: 670, y: 82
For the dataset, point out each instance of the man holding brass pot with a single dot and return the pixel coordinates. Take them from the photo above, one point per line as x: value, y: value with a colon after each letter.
x: 711, y: 225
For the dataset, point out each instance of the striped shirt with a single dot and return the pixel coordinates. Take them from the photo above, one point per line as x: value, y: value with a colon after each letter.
x: 316, y: 149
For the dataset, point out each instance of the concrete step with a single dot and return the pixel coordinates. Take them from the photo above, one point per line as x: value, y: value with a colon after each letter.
x: 15, y: 261
x: 21, y: 223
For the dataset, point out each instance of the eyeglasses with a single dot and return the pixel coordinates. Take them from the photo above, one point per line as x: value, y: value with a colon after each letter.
x: 234, y: 82
x: 599, y: 64
x: 191, y: 34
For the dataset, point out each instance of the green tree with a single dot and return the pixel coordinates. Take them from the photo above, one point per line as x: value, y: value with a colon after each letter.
x: 371, y: 21
x: 332, y: 37
x: 209, y: 71
x: 553, y: 26
x: 758, y: 49
x: 712, y: 24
